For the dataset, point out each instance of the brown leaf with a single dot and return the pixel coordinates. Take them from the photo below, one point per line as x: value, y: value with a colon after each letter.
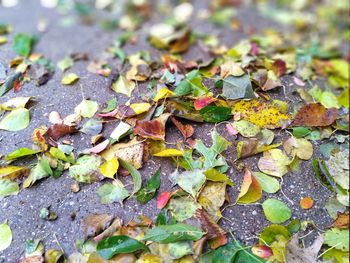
x: 342, y: 221
x: 153, y: 129
x: 186, y: 129
x: 57, y: 131
x: 94, y: 224
x: 141, y: 221
x: 209, y: 225
x: 279, y: 67
x: 117, y: 223
x: 314, y: 115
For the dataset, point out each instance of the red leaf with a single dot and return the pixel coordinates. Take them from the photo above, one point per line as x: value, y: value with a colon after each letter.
x: 153, y: 129
x: 200, y: 103
x: 262, y: 251
x: 163, y: 199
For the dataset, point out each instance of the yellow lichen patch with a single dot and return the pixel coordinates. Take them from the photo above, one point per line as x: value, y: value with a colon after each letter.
x: 261, y: 113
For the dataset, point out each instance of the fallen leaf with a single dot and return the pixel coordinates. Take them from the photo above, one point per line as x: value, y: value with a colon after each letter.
x: 110, y: 168
x: 246, y: 128
x: 123, y: 86
x: 109, y: 231
x: 185, y: 129
x: 40, y: 171
x: 21, y: 152
x: 69, y: 79
x: 23, y: 44
x: 7, y: 188
x: 342, y: 221
x: 86, y: 169
x: 215, y: 176
x: 262, y: 251
x: 136, y: 176
x: 65, y: 63
x: 57, y: 131
x: 149, y: 190
x: 237, y: 87
x: 215, y: 113
x: 306, y: 202
x: 141, y: 107
x: 112, y: 192
x: 16, y: 120
x: 163, y: 93
x: 274, y: 162
x: 337, y: 238
x: 296, y: 254
x: 202, y: 102
x: 94, y: 224
x: 5, y: 236
x: 212, y: 197
x: 298, y: 147
x: 86, y: 108
x: 314, y: 115
x: 276, y: 211
x: 190, y: 181
x: 212, y: 229
x: 163, y: 200
x: 250, y: 190
x: 169, y: 153
x: 261, y: 113
x: 13, y: 172
x: 182, y: 208
x: 267, y: 183
x: 153, y: 129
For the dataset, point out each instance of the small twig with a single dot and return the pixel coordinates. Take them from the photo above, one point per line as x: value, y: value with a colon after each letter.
x: 284, y: 193
x: 58, y: 242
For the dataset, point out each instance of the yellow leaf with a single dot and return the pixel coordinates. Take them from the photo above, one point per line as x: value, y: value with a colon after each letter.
x: 168, y: 153
x: 123, y: 86
x: 13, y: 172
x: 263, y: 114
x: 3, y: 40
x: 110, y: 168
x: 163, y: 93
x: 139, y: 108
x: 69, y: 79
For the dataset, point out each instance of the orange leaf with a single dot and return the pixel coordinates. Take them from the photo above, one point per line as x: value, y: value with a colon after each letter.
x: 250, y: 189
x: 342, y: 221
x: 186, y: 129
x: 306, y: 202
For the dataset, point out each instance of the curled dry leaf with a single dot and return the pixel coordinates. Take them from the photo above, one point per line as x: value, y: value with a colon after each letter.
x: 185, y: 129
x: 314, y: 115
x: 94, y: 224
x: 296, y: 254
x: 57, y: 131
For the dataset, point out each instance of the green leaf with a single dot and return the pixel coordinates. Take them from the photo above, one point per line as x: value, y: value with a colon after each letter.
x: 182, y: 208
x: 269, y: 234
x: 165, y: 234
x: 150, y: 188
x: 210, y: 155
x: 337, y: 238
x: 116, y: 245
x: 300, y: 132
x: 191, y: 84
x: 234, y: 252
x: 190, y: 181
x: 16, y: 120
x: 7, y: 188
x: 246, y: 128
x: 40, y: 171
x: 110, y: 193
x: 179, y: 249
x: 237, y: 88
x: 276, y: 211
x: 136, y: 176
x: 21, y: 152
x: 58, y: 154
x: 65, y: 63
x: 322, y: 174
x: 86, y: 169
x: 86, y: 108
x: 215, y: 113
x: 124, y: 86
x: 5, y: 236
x: 111, y: 105
x: 9, y: 83
x: 22, y: 44
x: 92, y: 127
x: 69, y: 79
x: 267, y: 183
